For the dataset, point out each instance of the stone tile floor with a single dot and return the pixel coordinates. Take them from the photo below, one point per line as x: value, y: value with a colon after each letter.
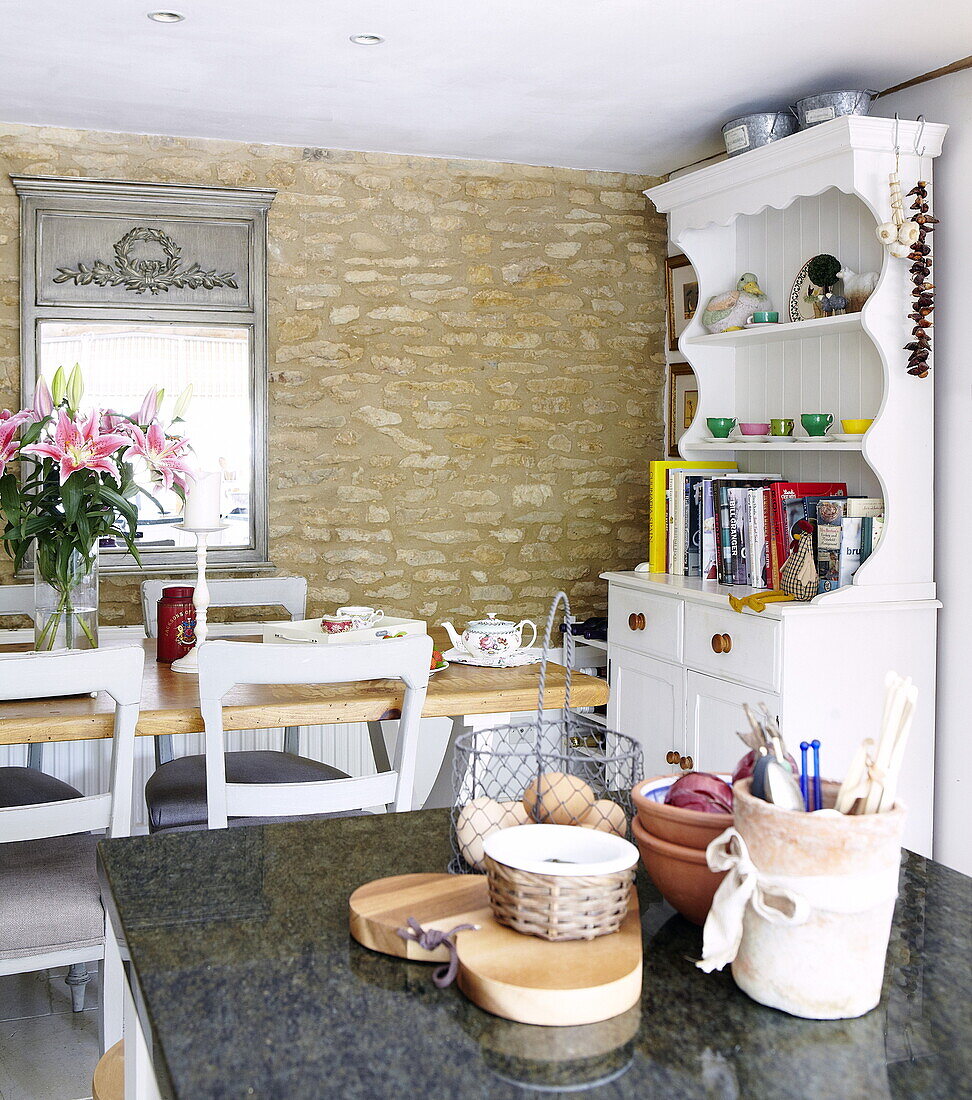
x: 47, y: 1052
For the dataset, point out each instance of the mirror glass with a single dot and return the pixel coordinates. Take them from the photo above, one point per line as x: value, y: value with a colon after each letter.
x: 122, y: 359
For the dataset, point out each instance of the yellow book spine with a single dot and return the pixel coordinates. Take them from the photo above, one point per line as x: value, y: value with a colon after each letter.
x: 658, y: 511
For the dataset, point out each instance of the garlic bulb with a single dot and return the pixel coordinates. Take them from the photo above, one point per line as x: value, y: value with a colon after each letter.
x: 908, y: 232
x: 887, y: 232
x: 899, y: 251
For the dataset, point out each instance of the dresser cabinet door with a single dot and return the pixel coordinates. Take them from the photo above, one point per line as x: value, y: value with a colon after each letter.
x: 648, y: 703
x: 713, y: 714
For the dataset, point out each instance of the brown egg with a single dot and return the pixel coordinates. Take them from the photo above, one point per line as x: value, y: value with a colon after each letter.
x: 608, y: 817
x: 478, y: 819
x: 558, y: 799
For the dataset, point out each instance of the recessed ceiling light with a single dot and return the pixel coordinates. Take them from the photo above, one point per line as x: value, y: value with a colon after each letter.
x: 166, y: 16
x: 367, y: 39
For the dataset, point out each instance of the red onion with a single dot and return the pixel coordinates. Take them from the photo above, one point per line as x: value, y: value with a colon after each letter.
x: 744, y: 769
x: 701, y: 791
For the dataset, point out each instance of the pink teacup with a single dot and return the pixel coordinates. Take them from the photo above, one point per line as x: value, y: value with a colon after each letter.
x: 336, y: 624
x: 754, y: 429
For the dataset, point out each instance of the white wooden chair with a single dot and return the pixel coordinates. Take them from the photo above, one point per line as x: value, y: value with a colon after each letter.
x: 50, y: 900
x: 18, y: 599
x: 290, y: 593
x: 274, y: 789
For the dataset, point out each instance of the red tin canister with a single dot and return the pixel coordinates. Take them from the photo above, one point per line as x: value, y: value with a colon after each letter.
x: 177, y: 621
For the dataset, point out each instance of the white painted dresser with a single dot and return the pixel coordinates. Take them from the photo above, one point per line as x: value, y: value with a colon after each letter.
x: 681, y: 662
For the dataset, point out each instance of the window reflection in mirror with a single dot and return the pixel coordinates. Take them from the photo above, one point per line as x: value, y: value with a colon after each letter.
x: 120, y: 360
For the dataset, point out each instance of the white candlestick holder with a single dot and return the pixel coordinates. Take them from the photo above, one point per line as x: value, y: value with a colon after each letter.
x: 200, y: 597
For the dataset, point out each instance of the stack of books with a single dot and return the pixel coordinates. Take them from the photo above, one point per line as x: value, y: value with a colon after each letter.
x: 707, y: 520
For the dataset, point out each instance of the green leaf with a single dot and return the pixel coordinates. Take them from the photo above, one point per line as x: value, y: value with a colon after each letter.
x: 72, y: 497
x: 121, y: 505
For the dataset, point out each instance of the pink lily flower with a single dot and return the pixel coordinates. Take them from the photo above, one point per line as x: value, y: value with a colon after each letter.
x: 149, y: 406
x: 43, y: 402
x: 81, y: 446
x: 166, y: 456
x: 9, y: 426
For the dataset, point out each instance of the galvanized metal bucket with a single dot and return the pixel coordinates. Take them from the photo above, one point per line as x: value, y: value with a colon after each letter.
x: 814, y: 109
x: 755, y: 130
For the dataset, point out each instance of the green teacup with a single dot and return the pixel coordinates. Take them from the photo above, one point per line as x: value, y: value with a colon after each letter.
x: 763, y: 317
x: 817, y: 424
x: 781, y: 426
x: 720, y: 426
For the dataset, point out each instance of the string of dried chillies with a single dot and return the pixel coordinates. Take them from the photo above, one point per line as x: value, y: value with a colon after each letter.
x: 923, y: 295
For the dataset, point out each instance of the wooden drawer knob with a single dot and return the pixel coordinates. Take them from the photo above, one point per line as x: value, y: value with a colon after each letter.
x: 636, y: 621
x: 721, y: 643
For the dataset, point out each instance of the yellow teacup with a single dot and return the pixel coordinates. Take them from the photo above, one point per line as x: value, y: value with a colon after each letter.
x: 855, y: 427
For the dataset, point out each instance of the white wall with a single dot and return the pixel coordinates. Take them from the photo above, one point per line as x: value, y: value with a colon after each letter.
x: 949, y: 100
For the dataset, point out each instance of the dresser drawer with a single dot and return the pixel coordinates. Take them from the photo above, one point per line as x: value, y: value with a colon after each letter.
x: 645, y: 623
x: 737, y: 647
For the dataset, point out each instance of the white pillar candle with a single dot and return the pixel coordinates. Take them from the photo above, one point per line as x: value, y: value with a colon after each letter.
x: 203, y: 499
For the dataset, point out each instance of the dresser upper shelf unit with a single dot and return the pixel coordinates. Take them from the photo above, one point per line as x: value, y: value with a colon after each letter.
x: 769, y: 212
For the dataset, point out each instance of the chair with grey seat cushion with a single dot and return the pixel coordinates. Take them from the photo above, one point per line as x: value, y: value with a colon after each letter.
x: 50, y: 900
x: 30, y: 785
x: 290, y: 593
x: 176, y: 793
x: 230, y: 787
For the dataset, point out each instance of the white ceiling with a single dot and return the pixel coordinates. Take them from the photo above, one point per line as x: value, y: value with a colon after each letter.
x: 629, y: 85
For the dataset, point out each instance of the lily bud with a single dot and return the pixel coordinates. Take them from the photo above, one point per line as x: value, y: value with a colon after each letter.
x: 43, y: 402
x: 149, y: 406
x: 75, y: 388
x: 58, y: 386
x: 182, y: 403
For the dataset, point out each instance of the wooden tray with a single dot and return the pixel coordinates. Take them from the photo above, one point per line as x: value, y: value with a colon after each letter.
x: 518, y: 977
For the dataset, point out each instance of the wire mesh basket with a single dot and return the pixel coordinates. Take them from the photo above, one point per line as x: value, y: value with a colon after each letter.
x: 562, y: 770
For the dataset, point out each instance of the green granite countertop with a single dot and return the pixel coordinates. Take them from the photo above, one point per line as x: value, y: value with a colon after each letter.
x: 253, y: 987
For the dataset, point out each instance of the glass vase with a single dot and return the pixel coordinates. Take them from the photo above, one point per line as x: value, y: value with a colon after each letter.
x: 65, y: 600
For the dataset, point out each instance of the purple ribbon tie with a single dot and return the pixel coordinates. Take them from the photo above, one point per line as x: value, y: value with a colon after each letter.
x: 431, y: 938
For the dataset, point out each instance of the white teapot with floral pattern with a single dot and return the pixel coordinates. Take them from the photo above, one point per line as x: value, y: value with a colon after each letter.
x: 491, y: 637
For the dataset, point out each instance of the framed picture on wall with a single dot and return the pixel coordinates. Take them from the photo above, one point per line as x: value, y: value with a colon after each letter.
x: 681, y: 296
x: 683, y: 401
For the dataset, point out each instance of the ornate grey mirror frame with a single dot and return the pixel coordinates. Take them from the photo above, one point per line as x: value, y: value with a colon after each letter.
x: 114, y: 250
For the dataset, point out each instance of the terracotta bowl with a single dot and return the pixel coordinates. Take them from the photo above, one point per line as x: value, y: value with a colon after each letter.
x: 681, y: 874
x: 690, y: 828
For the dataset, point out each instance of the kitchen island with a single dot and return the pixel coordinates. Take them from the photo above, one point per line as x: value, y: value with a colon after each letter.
x: 251, y: 986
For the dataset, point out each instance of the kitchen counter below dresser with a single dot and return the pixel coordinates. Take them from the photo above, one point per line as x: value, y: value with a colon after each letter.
x: 253, y: 987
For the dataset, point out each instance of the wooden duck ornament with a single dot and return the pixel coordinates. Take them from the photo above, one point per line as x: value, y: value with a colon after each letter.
x: 731, y: 309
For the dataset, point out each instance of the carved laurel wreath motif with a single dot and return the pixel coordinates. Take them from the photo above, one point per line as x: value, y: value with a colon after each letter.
x: 139, y: 274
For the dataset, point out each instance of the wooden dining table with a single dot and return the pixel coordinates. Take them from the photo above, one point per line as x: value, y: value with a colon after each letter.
x: 473, y: 697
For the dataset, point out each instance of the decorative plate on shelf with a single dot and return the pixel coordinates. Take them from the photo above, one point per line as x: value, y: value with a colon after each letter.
x: 800, y: 307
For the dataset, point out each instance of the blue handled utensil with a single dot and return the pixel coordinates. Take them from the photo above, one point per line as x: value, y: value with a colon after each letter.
x: 804, y: 778
x: 817, y: 788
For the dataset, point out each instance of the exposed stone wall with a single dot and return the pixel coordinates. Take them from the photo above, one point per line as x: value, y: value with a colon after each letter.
x: 466, y: 365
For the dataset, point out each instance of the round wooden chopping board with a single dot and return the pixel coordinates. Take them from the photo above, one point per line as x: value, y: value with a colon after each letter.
x: 522, y: 978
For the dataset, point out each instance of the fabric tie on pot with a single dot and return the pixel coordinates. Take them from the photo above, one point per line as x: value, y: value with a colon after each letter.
x: 743, y: 884
x: 778, y: 899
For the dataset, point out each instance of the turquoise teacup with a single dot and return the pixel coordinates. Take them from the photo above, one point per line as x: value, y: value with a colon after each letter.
x: 720, y: 426
x: 817, y: 423
x: 763, y: 317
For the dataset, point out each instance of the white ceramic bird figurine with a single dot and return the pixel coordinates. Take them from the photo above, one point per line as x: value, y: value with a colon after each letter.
x: 730, y: 310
